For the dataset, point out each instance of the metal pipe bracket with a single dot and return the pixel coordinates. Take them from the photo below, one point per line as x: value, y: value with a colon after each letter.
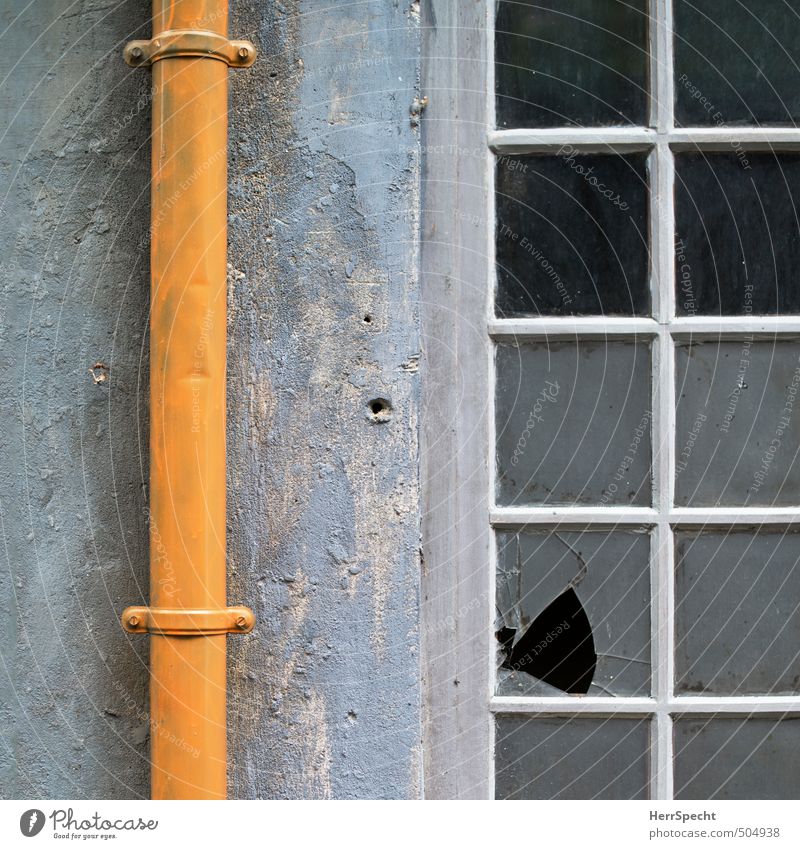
x: 183, y: 43
x: 178, y: 622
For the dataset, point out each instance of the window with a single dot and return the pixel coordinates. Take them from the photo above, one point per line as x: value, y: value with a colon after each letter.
x: 612, y: 565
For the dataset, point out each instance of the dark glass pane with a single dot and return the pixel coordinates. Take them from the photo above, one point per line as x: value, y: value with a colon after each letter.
x: 738, y: 424
x: 580, y: 758
x: 737, y: 613
x: 737, y: 63
x: 737, y: 233
x: 573, y: 423
x: 571, y: 62
x: 548, y: 584
x: 572, y: 235
x: 732, y: 758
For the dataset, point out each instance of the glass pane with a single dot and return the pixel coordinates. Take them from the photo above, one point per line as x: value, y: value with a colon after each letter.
x: 737, y: 613
x: 574, y: 613
x: 573, y: 423
x: 737, y: 233
x: 733, y: 758
x: 737, y: 63
x: 738, y: 433
x: 580, y: 758
x: 571, y: 62
x: 571, y: 234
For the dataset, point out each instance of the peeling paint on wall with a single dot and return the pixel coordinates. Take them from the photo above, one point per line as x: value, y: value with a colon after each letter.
x: 322, y: 496
x: 322, y: 490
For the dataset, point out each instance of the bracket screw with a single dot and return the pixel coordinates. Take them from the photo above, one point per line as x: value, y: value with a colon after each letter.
x: 136, y: 54
x: 133, y: 621
x: 243, y: 54
x: 241, y: 622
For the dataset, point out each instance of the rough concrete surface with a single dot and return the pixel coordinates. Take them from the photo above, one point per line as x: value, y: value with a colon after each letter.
x: 324, y: 697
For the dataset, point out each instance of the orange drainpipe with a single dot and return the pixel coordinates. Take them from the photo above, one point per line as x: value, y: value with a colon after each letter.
x: 188, y: 619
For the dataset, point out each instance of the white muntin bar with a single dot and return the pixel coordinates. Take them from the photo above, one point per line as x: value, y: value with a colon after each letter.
x: 677, y: 706
x: 515, y: 517
x: 585, y: 327
x: 588, y: 139
x: 570, y: 705
x: 709, y: 327
x: 738, y: 705
x: 662, y: 64
x: 629, y: 139
x: 734, y: 326
x: 724, y: 516
x: 723, y: 138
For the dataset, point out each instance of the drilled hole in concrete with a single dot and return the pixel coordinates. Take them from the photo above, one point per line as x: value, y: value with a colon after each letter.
x: 557, y: 647
x: 367, y: 319
x: 99, y: 372
x: 380, y: 410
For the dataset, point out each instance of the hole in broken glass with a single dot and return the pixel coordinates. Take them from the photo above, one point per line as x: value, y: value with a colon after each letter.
x: 558, y: 646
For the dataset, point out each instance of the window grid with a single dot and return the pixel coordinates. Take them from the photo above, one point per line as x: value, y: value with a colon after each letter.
x: 661, y: 140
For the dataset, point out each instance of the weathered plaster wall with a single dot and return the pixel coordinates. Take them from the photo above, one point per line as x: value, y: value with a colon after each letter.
x: 322, y: 493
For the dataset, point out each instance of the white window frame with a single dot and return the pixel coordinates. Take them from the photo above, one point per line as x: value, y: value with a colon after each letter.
x: 460, y: 331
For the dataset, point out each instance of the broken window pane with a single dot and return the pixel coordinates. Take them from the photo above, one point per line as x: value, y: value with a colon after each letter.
x: 737, y: 613
x: 580, y: 758
x: 720, y: 757
x: 573, y: 613
x: 737, y: 229
x: 571, y: 234
x: 578, y: 62
x: 573, y: 423
x: 736, y: 63
x: 738, y: 429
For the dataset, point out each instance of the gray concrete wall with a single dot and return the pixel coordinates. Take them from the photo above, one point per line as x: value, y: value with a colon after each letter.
x: 322, y: 495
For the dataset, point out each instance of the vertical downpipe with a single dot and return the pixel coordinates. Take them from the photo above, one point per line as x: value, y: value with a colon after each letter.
x: 187, y: 401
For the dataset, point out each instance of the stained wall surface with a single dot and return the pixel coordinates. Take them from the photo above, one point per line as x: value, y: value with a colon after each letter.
x: 323, y: 357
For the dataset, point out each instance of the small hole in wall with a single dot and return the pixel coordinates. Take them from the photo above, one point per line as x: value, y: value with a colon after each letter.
x: 367, y: 319
x: 380, y: 410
